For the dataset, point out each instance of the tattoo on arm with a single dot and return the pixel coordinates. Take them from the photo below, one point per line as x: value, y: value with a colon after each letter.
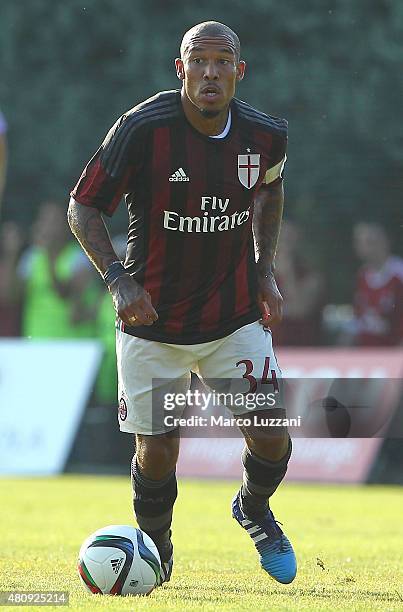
x: 89, y: 228
x: 267, y: 215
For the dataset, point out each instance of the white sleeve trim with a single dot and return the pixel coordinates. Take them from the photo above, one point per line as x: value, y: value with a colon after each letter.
x: 277, y: 171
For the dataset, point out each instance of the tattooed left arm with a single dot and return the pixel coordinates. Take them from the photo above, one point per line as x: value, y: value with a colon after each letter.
x: 268, y: 212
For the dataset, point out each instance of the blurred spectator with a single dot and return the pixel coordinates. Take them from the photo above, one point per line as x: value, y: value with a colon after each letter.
x: 10, y: 303
x: 3, y: 155
x: 61, y: 290
x: 378, y: 299
x: 61, y: 295
x: 302, y: 288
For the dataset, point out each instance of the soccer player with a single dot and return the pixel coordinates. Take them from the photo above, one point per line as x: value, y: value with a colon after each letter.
x: 201, y: 172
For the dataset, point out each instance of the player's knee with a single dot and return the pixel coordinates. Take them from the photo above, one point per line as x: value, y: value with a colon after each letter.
x: 270, y: 448
x: 268, y: 442
x: 157, y: 455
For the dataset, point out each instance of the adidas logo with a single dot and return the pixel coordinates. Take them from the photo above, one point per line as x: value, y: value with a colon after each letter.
x: 116, y: 563
x: 179, y: 175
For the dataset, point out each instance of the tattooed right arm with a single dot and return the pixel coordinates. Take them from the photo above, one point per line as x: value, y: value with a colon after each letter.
x: 90, y: 230
x: 131, y: 302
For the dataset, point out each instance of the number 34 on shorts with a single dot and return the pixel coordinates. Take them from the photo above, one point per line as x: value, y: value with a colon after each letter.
x: 243, y: 363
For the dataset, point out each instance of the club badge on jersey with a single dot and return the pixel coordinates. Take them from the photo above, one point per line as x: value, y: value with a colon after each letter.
x: 249, y: 169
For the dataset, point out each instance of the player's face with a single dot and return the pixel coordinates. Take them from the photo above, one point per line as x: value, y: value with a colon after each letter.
x: 369, y: 242
x: 210, y: 70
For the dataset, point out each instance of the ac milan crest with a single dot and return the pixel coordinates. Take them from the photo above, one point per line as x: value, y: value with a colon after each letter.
x: 122, y: 411
x: 249, y: 169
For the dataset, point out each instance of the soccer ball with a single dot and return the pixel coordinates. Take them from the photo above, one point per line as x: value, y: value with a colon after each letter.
x: 119, y: 560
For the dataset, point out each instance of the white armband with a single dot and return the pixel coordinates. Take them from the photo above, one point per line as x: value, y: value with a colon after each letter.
x: 277, y: 171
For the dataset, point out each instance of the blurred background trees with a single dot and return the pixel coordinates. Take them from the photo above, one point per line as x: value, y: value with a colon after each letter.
x: 69, y: 69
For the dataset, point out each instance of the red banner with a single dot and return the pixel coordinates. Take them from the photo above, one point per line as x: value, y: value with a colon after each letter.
x: 314, y: 459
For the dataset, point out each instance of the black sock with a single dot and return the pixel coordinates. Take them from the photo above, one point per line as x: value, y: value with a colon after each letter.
x: 260, y: 480
x: 153, y: 502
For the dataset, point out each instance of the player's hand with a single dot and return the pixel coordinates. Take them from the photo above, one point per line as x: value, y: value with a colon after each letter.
x: 270, y: 300
x: 131, y: 302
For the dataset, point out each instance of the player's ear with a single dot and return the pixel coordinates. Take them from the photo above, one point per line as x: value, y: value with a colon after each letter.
x: 240, y: 70
x: 180, y: 70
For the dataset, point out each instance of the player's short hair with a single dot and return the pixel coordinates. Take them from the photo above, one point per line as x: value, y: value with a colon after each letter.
x: 211, y: 28
x: 377, y: 230
x: 373, y: 226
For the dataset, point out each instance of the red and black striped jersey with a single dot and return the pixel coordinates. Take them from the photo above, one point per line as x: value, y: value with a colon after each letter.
x: 190, y: 204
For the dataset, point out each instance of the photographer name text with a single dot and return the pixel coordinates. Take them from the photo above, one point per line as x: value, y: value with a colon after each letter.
x: 254, y: 420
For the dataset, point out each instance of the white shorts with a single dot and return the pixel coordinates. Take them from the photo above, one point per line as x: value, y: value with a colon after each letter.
x: 147, y: 371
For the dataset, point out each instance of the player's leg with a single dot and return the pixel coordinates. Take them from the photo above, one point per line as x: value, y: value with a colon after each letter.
x: 248, y: 354
x: 148, y: 373
x: 155, y: 490
x: 265, y: 460
x: 251, y: 505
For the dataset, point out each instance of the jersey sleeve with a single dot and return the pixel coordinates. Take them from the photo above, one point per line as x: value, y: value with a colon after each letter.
x: 275, y: 172
x: 108, y: 174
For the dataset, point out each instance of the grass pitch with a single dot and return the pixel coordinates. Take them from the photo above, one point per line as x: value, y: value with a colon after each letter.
x: 348, y: 542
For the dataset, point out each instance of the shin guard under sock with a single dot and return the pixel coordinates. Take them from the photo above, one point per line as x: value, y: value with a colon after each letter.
x: 153, y: 502
x: 260, y: 480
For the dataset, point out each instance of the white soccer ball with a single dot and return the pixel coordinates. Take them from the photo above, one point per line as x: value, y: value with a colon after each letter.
x: 119, y: 560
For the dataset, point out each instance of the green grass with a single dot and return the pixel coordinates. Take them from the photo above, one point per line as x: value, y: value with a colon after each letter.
x: 348, y: 542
